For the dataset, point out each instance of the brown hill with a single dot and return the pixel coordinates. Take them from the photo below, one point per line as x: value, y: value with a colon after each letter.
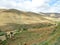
x: 13, y: 16
x: 20, y: 17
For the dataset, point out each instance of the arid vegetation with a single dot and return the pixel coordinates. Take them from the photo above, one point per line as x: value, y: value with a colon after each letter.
x: 27, y: 28
x: 43, y: 37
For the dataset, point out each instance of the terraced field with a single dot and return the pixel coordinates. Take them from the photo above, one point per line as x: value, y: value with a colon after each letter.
x: 41, y: 36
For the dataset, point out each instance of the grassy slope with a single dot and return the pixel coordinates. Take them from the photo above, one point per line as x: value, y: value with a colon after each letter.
x: 31, y: 37
x: 14, y: 16
x: 54, y: 38
x: 43, y: 37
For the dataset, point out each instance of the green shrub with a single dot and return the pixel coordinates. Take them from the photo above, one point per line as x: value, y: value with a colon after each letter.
x: 4, y: 42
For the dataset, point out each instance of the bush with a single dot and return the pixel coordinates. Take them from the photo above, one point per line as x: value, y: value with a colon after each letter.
x: 4, y: 42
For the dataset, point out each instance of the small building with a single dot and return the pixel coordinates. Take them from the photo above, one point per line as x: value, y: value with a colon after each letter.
x: 2, y: 36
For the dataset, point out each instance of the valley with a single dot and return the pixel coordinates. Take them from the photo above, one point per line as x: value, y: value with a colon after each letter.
x: 28, y: 28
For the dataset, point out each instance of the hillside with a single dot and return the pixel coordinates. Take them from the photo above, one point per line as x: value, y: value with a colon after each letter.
x: 28, y: 28
x: 52, y: 16
x: 9, y: 18
x: 56, y: 15
x: 20, y: 17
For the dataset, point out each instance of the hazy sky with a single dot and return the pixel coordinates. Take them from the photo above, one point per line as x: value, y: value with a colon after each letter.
x: 32, y: 5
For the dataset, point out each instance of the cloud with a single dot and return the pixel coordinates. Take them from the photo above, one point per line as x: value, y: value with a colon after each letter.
x: 50, y: 6
x: 32, y: 5
x: 54, y: 8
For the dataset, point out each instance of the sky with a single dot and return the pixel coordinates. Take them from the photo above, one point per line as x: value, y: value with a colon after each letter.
x: 32, y: 5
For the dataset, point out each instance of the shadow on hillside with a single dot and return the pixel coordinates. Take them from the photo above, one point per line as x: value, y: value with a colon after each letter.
x: 14, y: 26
